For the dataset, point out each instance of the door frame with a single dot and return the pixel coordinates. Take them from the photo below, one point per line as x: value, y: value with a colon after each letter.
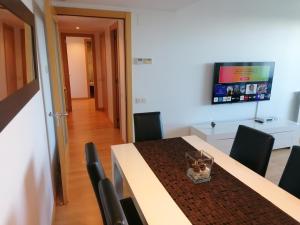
x: 103, y: 63
x: 126, y: 16
x: 115, y: 63
x: 86, y: 41
x: 63, y: 37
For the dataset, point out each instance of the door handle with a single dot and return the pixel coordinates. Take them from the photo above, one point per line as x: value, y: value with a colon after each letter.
x: 58, y: 114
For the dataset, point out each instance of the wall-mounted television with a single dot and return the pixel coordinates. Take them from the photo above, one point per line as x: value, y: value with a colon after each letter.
x: 242, y: 82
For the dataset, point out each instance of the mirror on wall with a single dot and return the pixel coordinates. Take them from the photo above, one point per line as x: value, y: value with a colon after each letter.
x: 18, y: 70
x: 16, y: 53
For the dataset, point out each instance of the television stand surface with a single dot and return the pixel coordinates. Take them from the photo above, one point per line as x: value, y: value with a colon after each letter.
x: 285, y: 132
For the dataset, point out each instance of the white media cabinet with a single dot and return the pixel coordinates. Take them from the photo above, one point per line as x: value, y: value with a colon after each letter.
x: 285, y: 132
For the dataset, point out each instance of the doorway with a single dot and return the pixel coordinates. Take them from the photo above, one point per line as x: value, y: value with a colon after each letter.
x: 94, y: 60
x: 125, y: 89
x: 100, y: 39
x: 80, y: 71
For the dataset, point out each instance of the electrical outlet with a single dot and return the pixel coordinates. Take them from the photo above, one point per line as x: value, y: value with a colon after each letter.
x: 137, y: 100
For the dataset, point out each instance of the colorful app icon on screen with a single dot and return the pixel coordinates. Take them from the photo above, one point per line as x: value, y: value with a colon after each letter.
x: 262, y: 88
x: 251, y: 89
x: 242, y: 88
x: 236, y: 89
x: 220, y: 90
x: 230, y: 90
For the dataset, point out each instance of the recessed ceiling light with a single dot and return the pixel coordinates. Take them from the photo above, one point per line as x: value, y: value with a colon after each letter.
x: 77, y: 28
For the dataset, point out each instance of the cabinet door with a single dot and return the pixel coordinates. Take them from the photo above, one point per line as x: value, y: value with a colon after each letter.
x: 283, y: 140
x: 224, y: 145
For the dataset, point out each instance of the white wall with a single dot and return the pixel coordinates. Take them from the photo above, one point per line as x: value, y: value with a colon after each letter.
x: 26, y: 187
x: 185, y: 44
x: 77, y: 67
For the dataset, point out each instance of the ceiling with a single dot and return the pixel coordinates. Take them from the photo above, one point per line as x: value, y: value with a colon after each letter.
x: 168, y: 5
x: 86, y: 24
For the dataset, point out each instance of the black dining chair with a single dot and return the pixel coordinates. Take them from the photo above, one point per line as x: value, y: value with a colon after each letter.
x: 290, y: 179
x: 147, y: 126
x: 252, y: 148
x: 113, y: 212
x: 117, y: 212
x: 95, y: 170
x: 105, y: 201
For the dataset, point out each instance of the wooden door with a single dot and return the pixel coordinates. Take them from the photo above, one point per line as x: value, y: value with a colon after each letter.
x: 67, y: 88
x: 10, y: 59
x: 103, y: 72
x: 58, y: 96
x: 115, y: 77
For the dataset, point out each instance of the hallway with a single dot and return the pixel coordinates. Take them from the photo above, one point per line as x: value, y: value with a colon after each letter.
x: 85, y: 125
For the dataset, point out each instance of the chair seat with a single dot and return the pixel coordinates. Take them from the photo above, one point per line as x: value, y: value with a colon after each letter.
x: 130, y: 212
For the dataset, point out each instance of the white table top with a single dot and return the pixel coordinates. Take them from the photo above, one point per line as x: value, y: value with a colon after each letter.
x: 157, y: 205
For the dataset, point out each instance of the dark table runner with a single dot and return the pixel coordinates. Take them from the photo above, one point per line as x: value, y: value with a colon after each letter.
x: 224, y: 200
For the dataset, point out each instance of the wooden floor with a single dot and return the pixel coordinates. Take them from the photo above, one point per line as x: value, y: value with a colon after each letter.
x: 85, y: 125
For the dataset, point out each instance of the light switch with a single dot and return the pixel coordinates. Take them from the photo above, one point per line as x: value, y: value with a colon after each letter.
x: 140, y: 61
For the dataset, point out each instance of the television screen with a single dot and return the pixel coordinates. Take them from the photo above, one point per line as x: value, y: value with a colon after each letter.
x: 242, y: 82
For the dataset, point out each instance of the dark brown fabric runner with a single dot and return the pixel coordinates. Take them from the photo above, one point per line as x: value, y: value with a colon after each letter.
x: 224, y: 200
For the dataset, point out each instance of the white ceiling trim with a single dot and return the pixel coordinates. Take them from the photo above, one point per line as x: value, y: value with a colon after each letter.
x: 127, y: 5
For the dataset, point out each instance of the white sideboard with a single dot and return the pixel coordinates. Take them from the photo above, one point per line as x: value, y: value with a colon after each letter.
x: 285, y: 132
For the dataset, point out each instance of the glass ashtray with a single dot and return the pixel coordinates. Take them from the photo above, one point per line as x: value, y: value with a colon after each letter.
x: 199, y: 165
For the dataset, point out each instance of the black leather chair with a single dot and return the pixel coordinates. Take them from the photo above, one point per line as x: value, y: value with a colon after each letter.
x: 147, y: 126
x: 116, y: 212
x: 95, y: 170
x: 113, y: 212
x: 252, y: 148
x: 290, y: 180
x: 97, y: 175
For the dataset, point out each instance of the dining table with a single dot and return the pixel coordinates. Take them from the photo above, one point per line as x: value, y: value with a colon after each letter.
x: 154, y: 174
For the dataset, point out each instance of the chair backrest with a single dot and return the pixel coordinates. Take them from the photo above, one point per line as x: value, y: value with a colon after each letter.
x: 95, y: 170
x: 113, y: 212
x: 290, y: 180
x: 252, y: 148
x: 147, y: 126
